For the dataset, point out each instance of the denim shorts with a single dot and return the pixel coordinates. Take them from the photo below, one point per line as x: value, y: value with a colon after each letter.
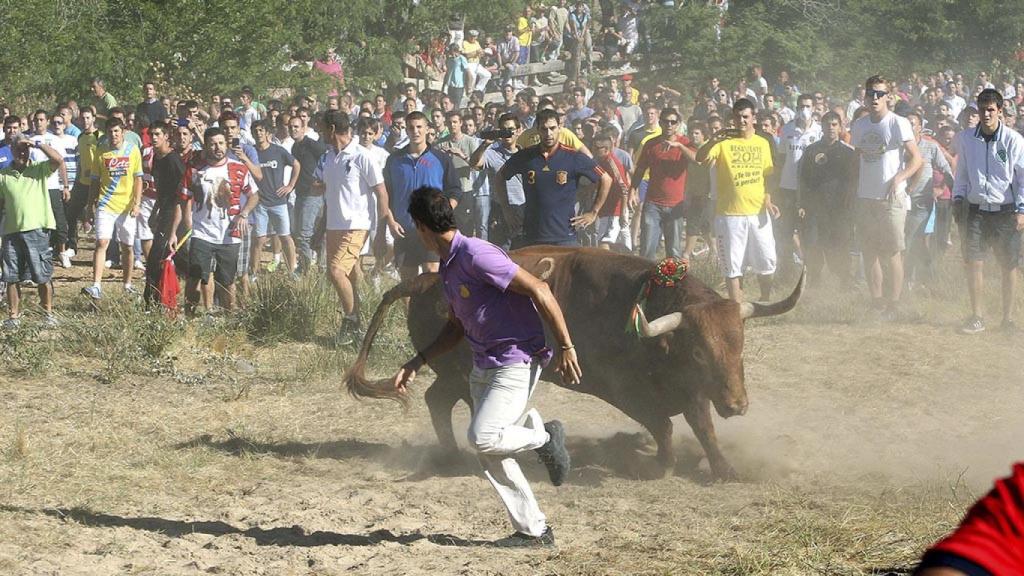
x: 267, y: 219
x: 28, y: 256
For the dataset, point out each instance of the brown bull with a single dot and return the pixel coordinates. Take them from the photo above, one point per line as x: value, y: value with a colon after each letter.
x: 689, y: 357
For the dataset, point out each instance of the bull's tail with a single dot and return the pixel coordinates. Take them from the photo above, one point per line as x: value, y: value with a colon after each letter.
x: 355, y: 378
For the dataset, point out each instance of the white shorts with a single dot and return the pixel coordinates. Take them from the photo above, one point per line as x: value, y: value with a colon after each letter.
x: 142, y: 220
x: 611, y: 231
x: 745, y: 241
x: 105, y: 223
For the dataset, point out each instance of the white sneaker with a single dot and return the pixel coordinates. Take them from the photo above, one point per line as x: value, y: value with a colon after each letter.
x: 65, y: 259
x: 140, y: 266
x: 108, y: 263
x: 71, y: 252
x: 93, y: 292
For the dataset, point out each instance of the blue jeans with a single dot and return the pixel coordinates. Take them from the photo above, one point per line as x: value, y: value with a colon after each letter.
x: 307, y: 208
x: 658, y: 221
x: 481, y: 216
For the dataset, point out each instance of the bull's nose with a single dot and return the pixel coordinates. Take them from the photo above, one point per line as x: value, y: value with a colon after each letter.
x: 738, y: 408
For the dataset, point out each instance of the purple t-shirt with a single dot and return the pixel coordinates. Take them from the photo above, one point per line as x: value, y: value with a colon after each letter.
x: 502, y: 327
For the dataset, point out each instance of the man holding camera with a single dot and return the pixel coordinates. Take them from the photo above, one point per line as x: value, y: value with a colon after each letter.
x: 28, y: 220
x: 496, y: 147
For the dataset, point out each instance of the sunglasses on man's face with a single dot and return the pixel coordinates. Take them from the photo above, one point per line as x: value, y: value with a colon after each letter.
x: 876, y: 93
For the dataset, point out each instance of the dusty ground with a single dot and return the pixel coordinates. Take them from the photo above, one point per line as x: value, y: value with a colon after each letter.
x: 864, y: 442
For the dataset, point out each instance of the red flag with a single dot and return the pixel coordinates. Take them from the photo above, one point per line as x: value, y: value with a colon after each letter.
x: 169, y: 279
x: 169, y: 286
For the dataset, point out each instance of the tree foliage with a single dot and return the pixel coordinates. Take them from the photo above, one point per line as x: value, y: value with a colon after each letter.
x: 53, y: 47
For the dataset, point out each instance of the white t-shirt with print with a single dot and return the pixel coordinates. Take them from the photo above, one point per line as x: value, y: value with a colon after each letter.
x: 793, y: 142
x: 880, y: 146
x: 225, y: 189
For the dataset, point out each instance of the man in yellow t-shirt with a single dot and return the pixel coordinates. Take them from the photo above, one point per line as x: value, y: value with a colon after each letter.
x: 525, y: 31
x: 479, y: 75
x: 743, y: 206
x: 116, y: 194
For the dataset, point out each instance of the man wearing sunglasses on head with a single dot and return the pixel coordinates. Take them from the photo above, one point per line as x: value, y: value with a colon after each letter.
x: 888, y: 158
x: 667, y: 156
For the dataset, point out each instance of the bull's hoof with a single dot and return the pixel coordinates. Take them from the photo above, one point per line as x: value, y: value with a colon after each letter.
x: 724, y: 472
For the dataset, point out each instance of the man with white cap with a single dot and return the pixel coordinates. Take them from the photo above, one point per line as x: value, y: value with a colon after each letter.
x: 479, y: 76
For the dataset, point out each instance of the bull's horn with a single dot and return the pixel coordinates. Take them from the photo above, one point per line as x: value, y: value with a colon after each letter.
x: 755, y: 310
x: 661, y: 325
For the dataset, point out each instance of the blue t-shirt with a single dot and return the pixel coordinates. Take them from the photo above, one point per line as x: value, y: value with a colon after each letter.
x: 6, y: 157
x: 403, y: 174
x: 272, y: 162
x: 550, y: 183
x: 457, y: 71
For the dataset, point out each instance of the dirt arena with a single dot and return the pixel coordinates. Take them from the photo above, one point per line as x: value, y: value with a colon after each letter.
x: 864, y: 442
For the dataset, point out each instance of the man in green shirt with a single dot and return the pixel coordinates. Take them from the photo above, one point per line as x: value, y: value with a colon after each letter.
x: 104, y: 100
x: 28, y: 220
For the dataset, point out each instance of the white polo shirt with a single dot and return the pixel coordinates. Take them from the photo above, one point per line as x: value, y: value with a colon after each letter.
x: 990, y: 173
x: 349, y: 176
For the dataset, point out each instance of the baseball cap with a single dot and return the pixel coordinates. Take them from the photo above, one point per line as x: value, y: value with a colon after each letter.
x: 627, y: 77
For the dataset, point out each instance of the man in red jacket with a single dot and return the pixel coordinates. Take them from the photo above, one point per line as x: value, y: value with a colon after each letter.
x: 989, y: 541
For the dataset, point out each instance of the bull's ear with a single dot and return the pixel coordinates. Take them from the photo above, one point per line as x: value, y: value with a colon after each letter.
x: 665, y: 342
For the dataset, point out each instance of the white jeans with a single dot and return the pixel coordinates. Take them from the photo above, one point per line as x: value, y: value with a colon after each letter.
x: 502, y: 427
x: 482, y: 76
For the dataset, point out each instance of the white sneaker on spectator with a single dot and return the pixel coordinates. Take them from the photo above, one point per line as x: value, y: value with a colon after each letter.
x: 140, y: 266
x: 93, y: 292
x: 65, y: 259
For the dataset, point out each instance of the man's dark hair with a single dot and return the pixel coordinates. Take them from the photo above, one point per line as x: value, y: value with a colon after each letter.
x: 190, y: 104
x: 990, y: 96
x: 113, y: 122
x: 429, y: 207
x: 211, y: 132
x: 397, y: 115
x: 116, y: 110
x: 247, y: 91
x: 666, y: 112
x: 264, y: 124
x: 40, y: 111
x: 509, y: 117
x: 451, y: 114
x: 369, y: 123
x: 337, y: 121
x: 415, y: 115
x: 805, y: 96
x: 743, y: 104
x: 545, y: 115
x: 12, y: 119
x: 829, y: 116
x: 227, y: 115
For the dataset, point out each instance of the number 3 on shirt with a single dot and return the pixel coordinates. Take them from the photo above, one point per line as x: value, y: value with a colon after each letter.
x: 531, y: 177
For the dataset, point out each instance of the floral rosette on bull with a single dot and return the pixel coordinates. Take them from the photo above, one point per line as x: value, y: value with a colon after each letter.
x: 667, y: 274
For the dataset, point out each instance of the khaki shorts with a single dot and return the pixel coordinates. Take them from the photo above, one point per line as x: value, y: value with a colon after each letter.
x: 343, y: 247
x: 880, y: 226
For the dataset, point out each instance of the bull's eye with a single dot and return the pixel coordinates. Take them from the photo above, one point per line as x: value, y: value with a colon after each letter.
x: 700, y: 356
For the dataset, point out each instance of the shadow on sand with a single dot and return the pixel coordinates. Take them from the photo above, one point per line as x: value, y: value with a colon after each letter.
x: 621, y: 455
x: 290, y: 536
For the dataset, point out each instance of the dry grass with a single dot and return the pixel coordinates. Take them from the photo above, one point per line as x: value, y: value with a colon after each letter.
x: 133, y: 444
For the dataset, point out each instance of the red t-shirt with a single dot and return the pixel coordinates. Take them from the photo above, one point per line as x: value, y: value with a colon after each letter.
x: 667, y: 165
x: 620, y: 184
x: 992, y: 533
